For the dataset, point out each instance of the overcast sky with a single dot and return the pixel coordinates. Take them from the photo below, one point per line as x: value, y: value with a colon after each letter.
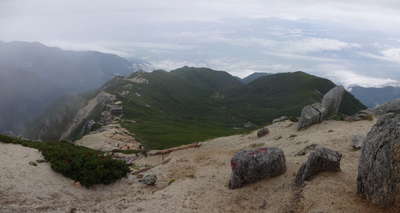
x: 348, y: 41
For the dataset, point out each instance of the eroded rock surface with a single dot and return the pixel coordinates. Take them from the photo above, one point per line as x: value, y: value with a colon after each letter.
x: 249, y: 166
x: 322, y: 159
x: 379, y: 168
x: 311, y: 114
x: 332, y: 100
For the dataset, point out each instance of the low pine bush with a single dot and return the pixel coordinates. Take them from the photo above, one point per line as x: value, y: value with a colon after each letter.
x: 82, y: 164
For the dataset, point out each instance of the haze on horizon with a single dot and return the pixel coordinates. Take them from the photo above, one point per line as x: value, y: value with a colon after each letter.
x: 350, y: 42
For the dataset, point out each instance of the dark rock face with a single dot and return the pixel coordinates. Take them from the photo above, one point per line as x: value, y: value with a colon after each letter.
x: 332, y: 100
x: 249, y: 166
x: 323, y: 159
x: 263, y: 132
x: 311, y: 114
x: 379, y: 168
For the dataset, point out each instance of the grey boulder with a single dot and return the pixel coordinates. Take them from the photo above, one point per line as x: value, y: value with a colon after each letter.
x: 332, y: 100
x: 322, y: 159
x: 249, y: 166
x: 379, y: 167
x: 311, y: 114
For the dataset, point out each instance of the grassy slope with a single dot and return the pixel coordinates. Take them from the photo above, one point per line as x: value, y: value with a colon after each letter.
x: 82, y: 164
x: 195, y: 104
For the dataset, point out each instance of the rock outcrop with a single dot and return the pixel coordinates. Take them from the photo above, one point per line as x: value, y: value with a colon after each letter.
x: 311, y: 114
x: 101, y: 99
x: 332, y: 100
x: 322, y: 159
x: 379, y: 167
x: 317, y: 112
x: 392, y: 106
x: 249, y: 166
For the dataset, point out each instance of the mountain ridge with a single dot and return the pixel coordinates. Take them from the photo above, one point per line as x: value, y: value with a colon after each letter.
x: 165, y: 109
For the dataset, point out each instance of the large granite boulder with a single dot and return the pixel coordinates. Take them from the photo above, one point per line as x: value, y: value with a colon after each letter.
x: 391, y: 106
x: 322, y: 159
x: 249, y: 166
x: 379, y: 167
x: 311, y: 114
x: 332, y: 100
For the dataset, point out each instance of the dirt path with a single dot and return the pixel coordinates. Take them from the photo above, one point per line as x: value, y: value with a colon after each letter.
x: 195, y: 180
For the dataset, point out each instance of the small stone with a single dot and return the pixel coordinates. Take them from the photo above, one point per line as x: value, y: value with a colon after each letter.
x: 32, y: 163
x: 149, y: 180
x: 330, y: 131
x: 357, y: 141
x: 263, y: 132
x: 292, y: 136
x: 277, y: 137
x: 263, y: 205
x: 41, y: 161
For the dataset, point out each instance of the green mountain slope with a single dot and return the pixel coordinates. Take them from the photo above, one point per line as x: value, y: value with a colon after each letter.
x: 166, y: 109
x: 254, y: 76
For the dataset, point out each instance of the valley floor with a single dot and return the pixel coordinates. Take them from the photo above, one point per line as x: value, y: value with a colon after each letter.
x: 195, y: 180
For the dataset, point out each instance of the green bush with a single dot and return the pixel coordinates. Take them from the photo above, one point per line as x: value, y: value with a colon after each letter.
x: 82, y: 164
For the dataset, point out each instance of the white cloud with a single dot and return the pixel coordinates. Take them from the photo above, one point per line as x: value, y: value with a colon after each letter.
x: 234, y: 35
x: 346, y: 77
x: 391, y: 54
x: 310, y: 45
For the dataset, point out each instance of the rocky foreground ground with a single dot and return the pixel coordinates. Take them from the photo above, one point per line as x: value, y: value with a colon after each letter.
x: 196, y: 180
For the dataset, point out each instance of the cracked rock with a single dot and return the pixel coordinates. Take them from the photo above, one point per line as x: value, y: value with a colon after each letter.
x: 249, y: 166
x: 321, y: 160
x: 379, y: 168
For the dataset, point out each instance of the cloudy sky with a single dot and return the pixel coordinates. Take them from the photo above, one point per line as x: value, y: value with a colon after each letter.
x: 348, y: 41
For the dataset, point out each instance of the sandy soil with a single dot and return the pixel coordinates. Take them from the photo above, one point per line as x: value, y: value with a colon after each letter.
x: 195, y: 180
